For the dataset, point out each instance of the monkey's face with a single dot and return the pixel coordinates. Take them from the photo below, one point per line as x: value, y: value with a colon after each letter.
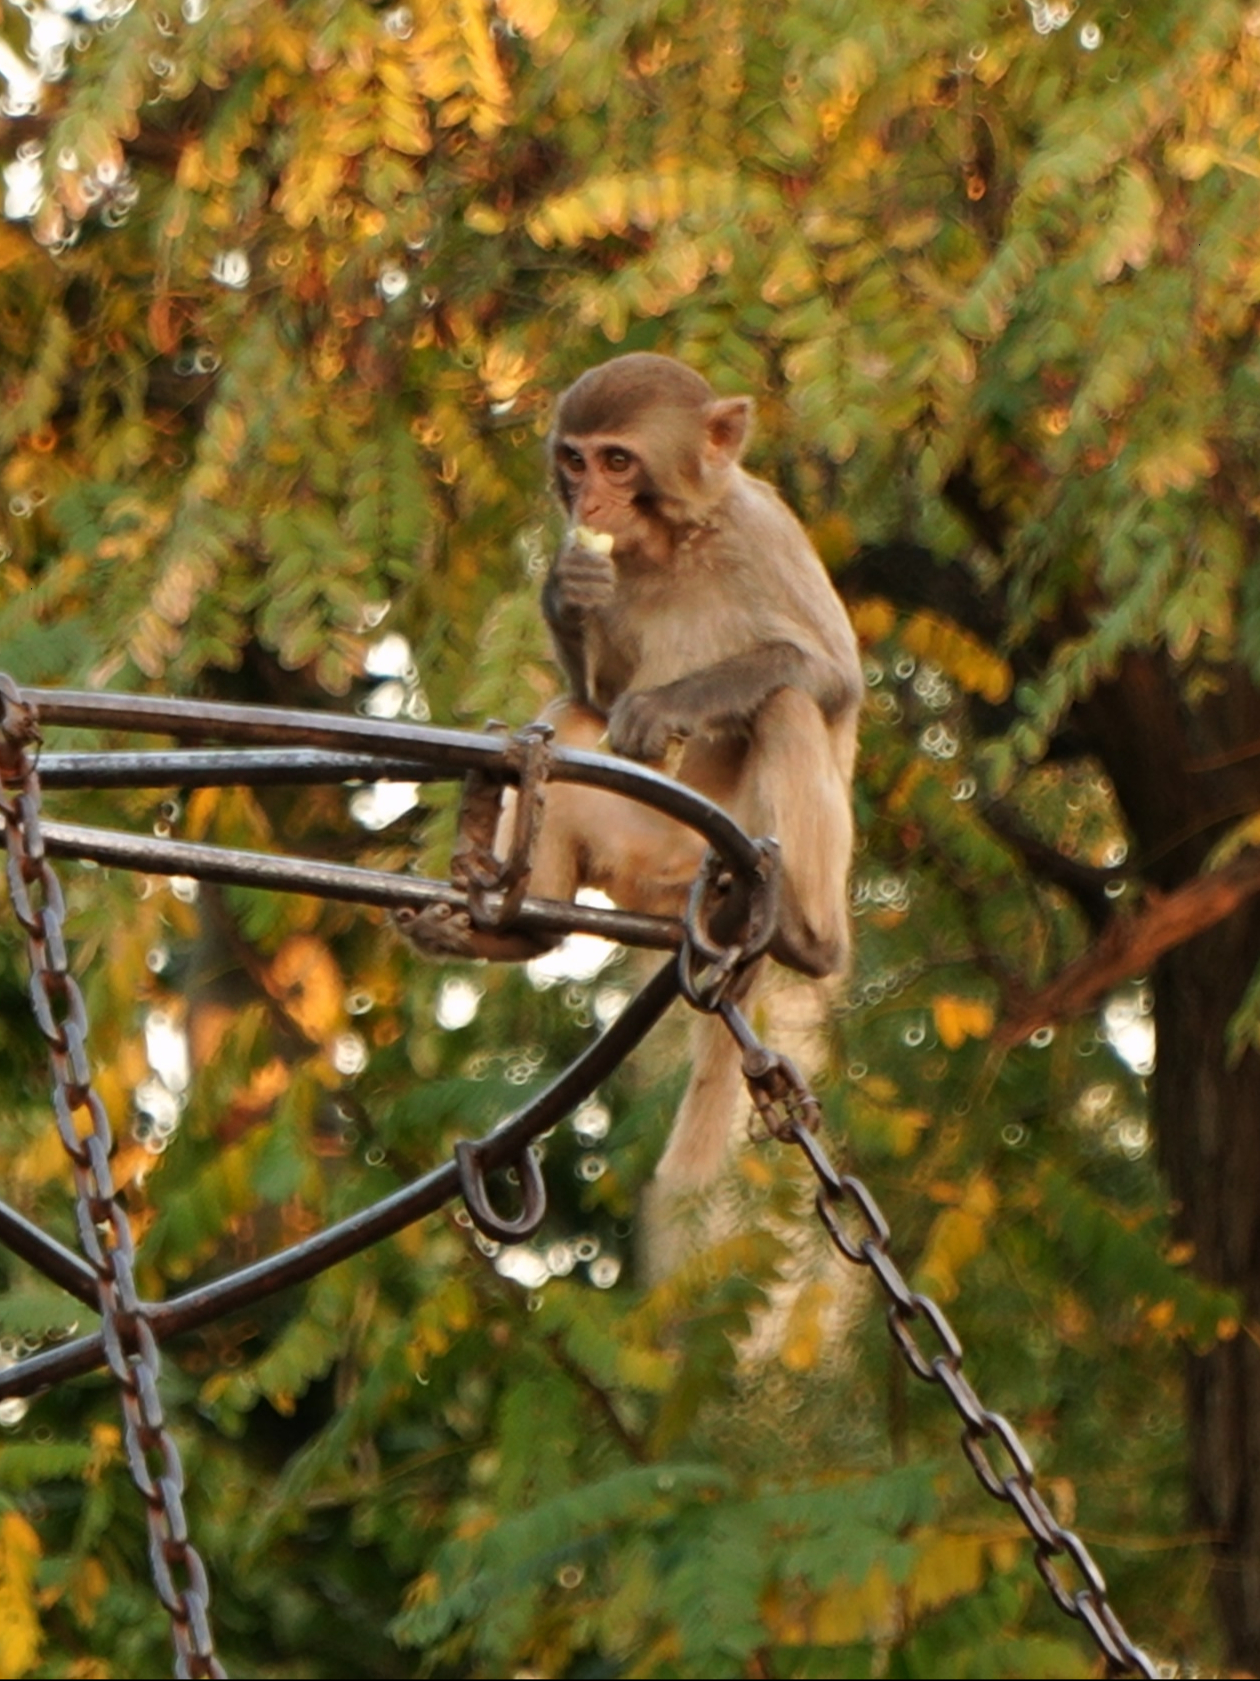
x: 605, y: 484
x: 642, y: 451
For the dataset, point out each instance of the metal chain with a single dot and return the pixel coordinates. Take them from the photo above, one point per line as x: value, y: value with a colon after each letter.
x: 131, y: 1351
x: 789, y: 1111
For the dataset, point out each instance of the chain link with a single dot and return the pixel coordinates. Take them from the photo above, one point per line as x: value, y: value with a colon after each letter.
x: 131, y: 1350
x: 788, y: 1110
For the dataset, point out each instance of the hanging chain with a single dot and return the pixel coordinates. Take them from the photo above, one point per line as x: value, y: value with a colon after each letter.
x: 789, y: 1111
x: 131, y: 1351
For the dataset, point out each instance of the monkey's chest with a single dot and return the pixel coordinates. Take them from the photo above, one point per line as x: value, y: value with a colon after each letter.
x: 661, y: 631
x: 610, y: 660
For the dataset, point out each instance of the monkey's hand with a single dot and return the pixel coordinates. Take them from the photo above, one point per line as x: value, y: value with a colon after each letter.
x: 643, y: 725
x: 583, y: 577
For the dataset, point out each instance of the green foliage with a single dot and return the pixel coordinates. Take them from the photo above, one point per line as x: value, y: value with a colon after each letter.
x: 279, y: 344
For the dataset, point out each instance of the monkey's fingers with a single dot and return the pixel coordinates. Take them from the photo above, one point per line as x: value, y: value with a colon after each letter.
x: 584, y: 580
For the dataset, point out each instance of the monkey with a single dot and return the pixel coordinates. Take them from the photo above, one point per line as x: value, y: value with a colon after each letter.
x: 694, y: 621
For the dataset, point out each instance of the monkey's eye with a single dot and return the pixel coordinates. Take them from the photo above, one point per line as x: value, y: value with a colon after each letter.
x: 618, y: 460
x: 572, y: 460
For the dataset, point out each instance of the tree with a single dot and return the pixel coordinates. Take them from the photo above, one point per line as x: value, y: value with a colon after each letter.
x: 284, y: 290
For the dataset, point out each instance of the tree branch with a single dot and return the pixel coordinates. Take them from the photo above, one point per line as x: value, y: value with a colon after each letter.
x: 1132, y: 944
x: 1086, y: 883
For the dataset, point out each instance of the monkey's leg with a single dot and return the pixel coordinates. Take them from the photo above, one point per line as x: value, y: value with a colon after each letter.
x: 643, y: 860
x: 796, y: 787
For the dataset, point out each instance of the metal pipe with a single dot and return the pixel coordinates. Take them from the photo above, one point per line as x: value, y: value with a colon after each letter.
x: 391, y: 1214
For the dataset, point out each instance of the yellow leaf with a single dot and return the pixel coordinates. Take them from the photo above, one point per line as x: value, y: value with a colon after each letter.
x: 902, y: 1129
x: 955, y: 1237
x: 958, y: 1019
x: 191, y: 170
x: 846, y: 1614
x: 309, y: 185
x: 915, y: 231
x: 960, y: 656
x: 42, y: 1160
x: 106, y: 1442
x: 20, y: 1633
x: 484, y: 218
x: 791, y: 277
x: 404, y: 126
x: 281, y: 40
x: 1177, y: 464
x: 88, y: 1582
x: 114, y: 1093
x: 981, y: 1196
x: 647, y: 1369
x: 1191, y: 161
x: 873, y: 619
x: 608, y: 198
x: 528, y: 17
x: 948, y: 1566
x: 835, y: 540
x: 805, y: 1334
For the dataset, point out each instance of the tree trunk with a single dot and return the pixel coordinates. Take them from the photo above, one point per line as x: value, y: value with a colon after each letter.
x: 1182, y: 776
x: 1207, y: 1119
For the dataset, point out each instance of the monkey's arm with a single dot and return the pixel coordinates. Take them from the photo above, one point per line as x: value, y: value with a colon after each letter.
x: 580, y: 582
x: 725, y: 697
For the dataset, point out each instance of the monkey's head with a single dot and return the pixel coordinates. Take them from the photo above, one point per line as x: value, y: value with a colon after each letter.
x: 643, y: 449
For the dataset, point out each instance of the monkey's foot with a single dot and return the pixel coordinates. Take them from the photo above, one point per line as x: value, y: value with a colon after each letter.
x: 440, y: 929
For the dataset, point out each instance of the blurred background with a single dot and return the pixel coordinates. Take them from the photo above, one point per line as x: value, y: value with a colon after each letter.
x: 286, y: 294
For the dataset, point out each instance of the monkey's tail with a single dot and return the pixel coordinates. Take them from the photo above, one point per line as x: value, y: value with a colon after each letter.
x: 715, y: 1097
x: 677, y: 1216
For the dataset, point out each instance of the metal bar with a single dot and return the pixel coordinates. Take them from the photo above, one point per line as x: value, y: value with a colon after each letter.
x: 229, y: 767
x: 46, y: 1255
x: 359, y: 1231
x: 153, y: 855
x: 451, y: 752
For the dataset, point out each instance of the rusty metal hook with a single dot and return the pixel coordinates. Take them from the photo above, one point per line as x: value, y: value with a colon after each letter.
x: 475, y: 866
x: 472, y: 1185
x: 706, y: 969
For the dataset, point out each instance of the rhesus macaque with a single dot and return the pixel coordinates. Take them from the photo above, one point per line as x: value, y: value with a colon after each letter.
x: 692, y: 619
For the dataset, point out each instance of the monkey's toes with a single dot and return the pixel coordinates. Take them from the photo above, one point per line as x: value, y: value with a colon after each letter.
x: 440, y: 929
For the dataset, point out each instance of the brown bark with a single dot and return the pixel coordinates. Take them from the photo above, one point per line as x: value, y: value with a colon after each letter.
x: 1206, y: 1112
x: 1207, y: 1122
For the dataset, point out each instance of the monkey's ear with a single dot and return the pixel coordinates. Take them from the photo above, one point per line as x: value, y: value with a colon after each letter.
x: 727, y: 422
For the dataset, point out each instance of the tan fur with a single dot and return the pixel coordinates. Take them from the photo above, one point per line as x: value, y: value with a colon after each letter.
x: 707, y: 628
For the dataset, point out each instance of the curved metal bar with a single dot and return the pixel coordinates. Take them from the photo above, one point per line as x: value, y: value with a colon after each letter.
x: 359, y: 1231
x: 476, y: 1195
x: 449, y: 751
